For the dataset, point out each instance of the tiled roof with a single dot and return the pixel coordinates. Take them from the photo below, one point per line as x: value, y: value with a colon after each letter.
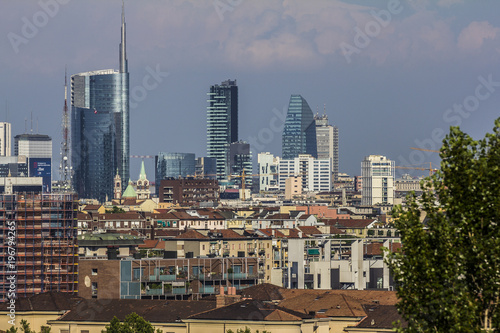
x: 153, y: 244
x: 335, y: 230
x: 278, y: 217
x: 49, y: 301
x: 350, y: 223
x: 92, y: 207
x: 269, y: 232
x: 380, y: 317
x: 121, y: 216
x: 375, y: 249
x: 327, y: 304
x: 192, y: 234
x: 309, y: 230
x: 262, y: 292
x: 228, y: 233
x: 252, y: 310
x: 382, y: 297
x: 154, y: 311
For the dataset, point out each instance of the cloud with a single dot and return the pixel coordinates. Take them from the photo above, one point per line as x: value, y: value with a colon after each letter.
x: 473, y: 36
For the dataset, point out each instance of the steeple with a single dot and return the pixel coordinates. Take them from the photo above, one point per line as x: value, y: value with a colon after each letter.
x: 123, y: 46
x: 142, y: 174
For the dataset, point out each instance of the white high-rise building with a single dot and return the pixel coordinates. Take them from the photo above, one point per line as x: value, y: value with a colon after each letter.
x: 268, y: 171
x: 377, y: 174
x: 5, y: 139
x: 315, y: 173
x: 327, y: 141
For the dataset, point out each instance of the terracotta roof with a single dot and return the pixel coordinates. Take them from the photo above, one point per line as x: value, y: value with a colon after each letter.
x: 83, y: 216
x: 337, y: 231
x: 309, y: 230
x: 228, y: 233
x: 262, y: 292
x: 92, y: 207
x: 153, y: 244
x: 167, y: 232
x: 252, y: 310
x: 304, y: 216
x: 375, y: 249
x: 192, y: 234
x: 382, y: 297
x: 155, y: 311
x: 325, y: 303
x: 269, y: 232
x: 121, y: 216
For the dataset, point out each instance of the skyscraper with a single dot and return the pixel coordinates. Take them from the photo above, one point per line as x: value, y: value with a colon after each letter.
x: 299, y: 133
x: 222, y: 123
x: 100, y: 127
x: 173, y: 165
x: 5, y: 139
x: 240, y: 159
x: 377, y: 174
x: 38, y: 150
x: 327, y: 139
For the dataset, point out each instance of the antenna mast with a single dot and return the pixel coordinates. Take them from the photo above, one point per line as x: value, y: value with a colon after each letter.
x: 65, y: 167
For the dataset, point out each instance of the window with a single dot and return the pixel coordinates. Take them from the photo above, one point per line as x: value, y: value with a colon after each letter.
x: 94, y: 289
x: 94, y: 271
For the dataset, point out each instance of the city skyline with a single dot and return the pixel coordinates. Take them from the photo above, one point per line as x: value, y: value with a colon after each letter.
x: 419, y: 70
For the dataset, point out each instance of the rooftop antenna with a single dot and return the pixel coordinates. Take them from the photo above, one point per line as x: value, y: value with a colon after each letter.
x: 65, y: 167
x: 31, y: 121
x: 25, y: 125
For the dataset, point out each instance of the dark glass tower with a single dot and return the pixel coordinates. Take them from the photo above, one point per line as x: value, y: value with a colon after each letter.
x: 299, y: 133
x: 100, y: 127
x: 222, y: 123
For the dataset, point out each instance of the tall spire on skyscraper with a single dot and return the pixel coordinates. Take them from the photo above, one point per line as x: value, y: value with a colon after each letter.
x: 123, y: 45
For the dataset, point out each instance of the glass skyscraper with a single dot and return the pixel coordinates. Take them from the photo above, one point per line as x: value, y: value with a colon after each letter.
x: 100, y: 127
x: 222, y: 123
x: 299, y: 133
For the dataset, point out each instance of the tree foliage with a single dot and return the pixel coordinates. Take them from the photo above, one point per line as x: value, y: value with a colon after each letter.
x: 245, y: 330
x: 133, y: 323
x: 25, y: 328
x: 448, y: 273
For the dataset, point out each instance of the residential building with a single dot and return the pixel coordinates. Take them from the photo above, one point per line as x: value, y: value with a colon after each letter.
x: 377, y: 174
x: 293, y: 187
x: 45, y: 250
x: 188, y: 191
x: 268, y: 172
x: 100, y: 127
x: 299, y: 133
x: 5, y: 139
x: 38, y: 150
x: 327, y: 139
x: 222, y: 123
x: 315, y: 173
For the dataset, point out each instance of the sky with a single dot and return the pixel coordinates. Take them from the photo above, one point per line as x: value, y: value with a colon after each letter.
x: 389, y: 74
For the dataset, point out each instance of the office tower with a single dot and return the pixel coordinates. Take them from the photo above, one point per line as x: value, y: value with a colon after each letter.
x: 205, y: 167
x: 173, y: 165
x: 377, y: 174
x: 268, y: 171
x: 5, y: 139
x: 100, y: 127
x: 16, y: 166
x: 222, y: 123
x: 327, y: 139
x: 38, y: 150
x: 46, y: 250
x: 299, y: 133
x: 240, y: 159
x: 315, y: 173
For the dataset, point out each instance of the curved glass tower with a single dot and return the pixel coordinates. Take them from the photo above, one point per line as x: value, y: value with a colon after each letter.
x: 100, y: 127
x: 299, y: 133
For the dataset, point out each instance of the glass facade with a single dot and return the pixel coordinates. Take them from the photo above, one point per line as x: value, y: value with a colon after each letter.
x: 100, y: 131
x: 299, y: 133
x: 240, y: 159
x: 222, y: 123
x: 174, y: 165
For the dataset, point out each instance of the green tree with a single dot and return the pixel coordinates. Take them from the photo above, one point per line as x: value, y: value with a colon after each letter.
x: 25, y: 328
x: 114, y: 210
x: 448, y: 274
x: 133, y: 323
